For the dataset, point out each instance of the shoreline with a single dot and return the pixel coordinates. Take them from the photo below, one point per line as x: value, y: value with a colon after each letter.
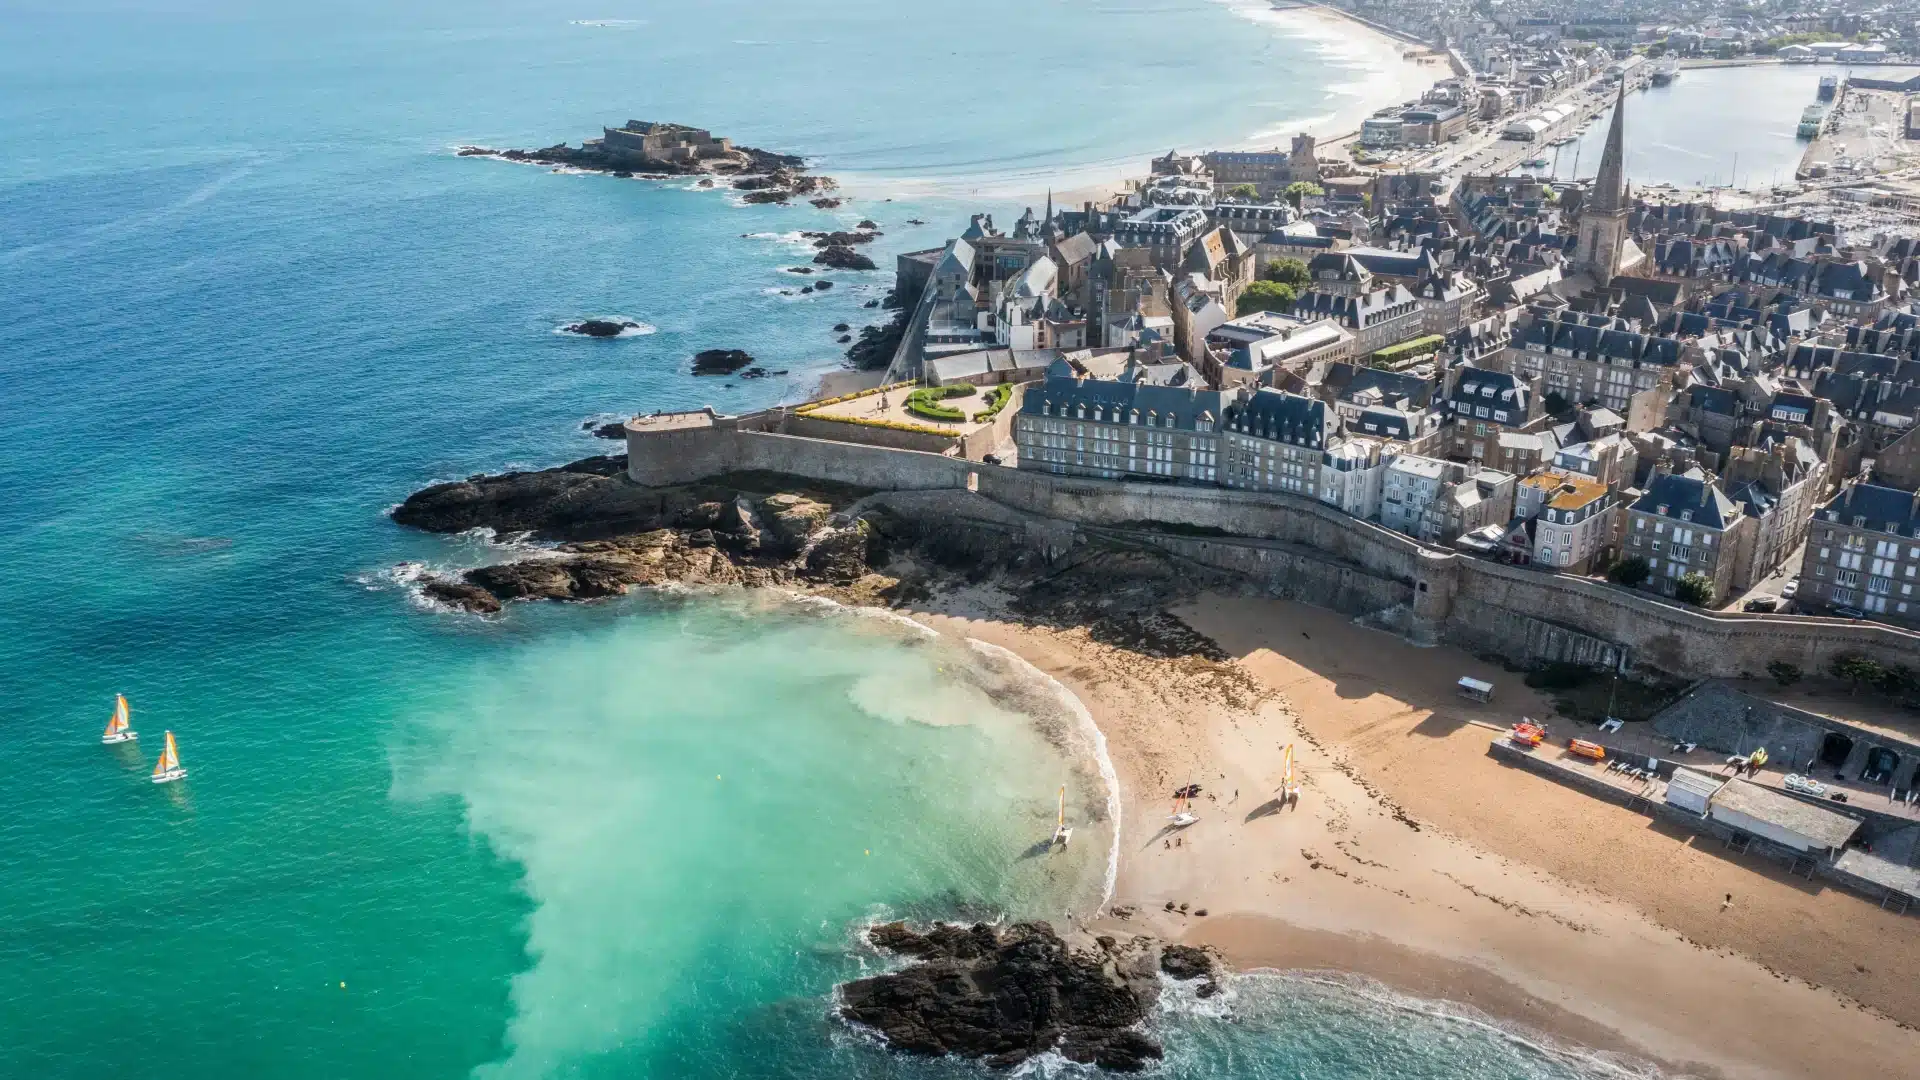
x: 1357, y: 879
x: 1379, y: 75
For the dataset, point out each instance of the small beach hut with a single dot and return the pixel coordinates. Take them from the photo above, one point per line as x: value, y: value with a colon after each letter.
x: 1692, y: 791
x: 1473, y: 689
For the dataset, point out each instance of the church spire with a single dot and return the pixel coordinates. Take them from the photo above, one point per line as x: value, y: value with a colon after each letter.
x: 1610, y: 184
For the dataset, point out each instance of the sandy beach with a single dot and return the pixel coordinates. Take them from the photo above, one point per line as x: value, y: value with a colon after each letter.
x: 1414, y: 858
x: 1388, y: 71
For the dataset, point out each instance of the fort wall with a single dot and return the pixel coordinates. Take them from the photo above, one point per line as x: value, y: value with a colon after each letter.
x: 1298, y: 548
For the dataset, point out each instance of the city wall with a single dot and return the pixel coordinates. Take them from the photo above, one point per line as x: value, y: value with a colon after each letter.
x: 1303, y: 549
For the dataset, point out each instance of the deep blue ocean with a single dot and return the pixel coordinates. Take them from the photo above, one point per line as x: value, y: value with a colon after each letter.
x: 249, y: 299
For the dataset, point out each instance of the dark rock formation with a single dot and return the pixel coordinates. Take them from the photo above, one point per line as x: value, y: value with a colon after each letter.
x: 823, y: 285
x: 788, y: 169
x: 1004, y: 996
x: 799, y: 269
x: 613, y: 534
x: 841, y: 239
x: 614, y: 429
x: 868, y: 225
x: 843, y: 258
x: 843, y: 339
x: 600, y: 327
x: 1185, y: 962
x: 871, y: 304
x: 841, y: 328
x: 720, y: 361
x: 777, y: 196
x: 877, y: 344
x: 825, y: 203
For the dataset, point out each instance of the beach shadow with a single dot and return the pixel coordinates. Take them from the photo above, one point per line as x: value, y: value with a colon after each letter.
x: 1038, y: 850
x: 1166, y: 831
x: 1439, y: 725
x: 1265, y: 809
x: 1753, y: 862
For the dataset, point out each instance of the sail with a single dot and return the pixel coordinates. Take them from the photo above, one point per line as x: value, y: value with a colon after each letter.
x: 169, y: 758
x: 119, y: 722
x: 1063, y: 806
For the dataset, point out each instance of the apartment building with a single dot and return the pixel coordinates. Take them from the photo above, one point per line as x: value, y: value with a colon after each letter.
x: 1684, y: 524
x: 1274, y: 441
x: 1863, y: 552
x: 1156, y: 423
x: 1571, y: 518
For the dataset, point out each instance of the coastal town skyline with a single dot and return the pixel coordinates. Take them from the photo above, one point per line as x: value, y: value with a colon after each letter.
x: 1334, y: 539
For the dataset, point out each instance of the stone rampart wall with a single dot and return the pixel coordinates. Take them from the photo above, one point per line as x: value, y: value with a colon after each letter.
x: 1477, y: 604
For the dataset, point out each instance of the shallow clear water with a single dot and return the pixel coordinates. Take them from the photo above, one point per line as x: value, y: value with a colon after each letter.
x: 250, y: 299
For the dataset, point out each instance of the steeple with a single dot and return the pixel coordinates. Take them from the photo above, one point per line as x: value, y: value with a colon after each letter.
x: 1610, y: 184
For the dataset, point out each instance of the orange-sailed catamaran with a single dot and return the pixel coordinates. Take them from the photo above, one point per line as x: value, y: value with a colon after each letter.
x: 119, y: 729
x: 167, y: 769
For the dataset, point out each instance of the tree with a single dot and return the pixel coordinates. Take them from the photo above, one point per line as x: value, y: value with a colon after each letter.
x: 1303, y: 189
x: 1895, y: 680
x: 1784, y: 673
x: 1288, y: 271
x: 1630, y: 572
x: 1695, y: 588
x: 1244, y: 192
x: 1266, y: 296
x: 1557, y: 403
x: 1854, y: 669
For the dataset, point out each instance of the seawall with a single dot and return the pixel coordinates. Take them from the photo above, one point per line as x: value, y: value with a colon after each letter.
x: 1293, y: 547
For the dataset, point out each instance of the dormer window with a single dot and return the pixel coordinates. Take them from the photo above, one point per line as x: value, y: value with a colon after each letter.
x: 1686, y: 515
x: 1080, y: 412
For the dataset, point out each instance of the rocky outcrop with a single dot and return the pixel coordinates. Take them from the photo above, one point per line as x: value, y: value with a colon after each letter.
x: 783, y: 172
x: 1002, y: 996
x: 600, y: 327
x: 612, y: 534
x: 720, y: 361
x: 838, y: 257
x: 842, y: 239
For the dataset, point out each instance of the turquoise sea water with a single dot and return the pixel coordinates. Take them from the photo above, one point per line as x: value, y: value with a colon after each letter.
x: 249, y: 299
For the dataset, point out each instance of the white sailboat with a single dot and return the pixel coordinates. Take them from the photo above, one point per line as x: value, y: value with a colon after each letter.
x: 120, y: 727
x: 168, y: 769
x: 1182, y: 815
x: 1062, y: 834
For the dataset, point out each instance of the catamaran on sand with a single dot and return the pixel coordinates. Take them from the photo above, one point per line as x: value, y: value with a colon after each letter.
x: 1061, y: 833
x: 120, y: 727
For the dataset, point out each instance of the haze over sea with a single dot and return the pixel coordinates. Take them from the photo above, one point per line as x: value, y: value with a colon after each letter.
x: 251, y: 300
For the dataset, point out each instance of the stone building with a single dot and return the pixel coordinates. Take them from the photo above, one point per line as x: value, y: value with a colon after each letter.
x: 1573, y: 519
x: 1485, y: 405
x: 1684, y: 524
x: 1436, y: 501
x: 1591, y: 358
x: 1152, y: 424
x: 1352, y: 474
x: 1274, y: 441
x: 1606, y: 249
x: 1863, y: 552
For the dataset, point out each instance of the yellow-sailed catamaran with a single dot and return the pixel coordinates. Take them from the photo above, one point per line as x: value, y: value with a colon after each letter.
x: 1289, y: 781
x: 167, y: 769
x: 119, y: 728
x: 1062, y: 834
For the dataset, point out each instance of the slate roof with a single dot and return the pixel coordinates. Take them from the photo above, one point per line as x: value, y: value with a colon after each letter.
x: 1691, y: 494
x: 1126, y: 400
x: 1872, y: 506
x: 1275, y: 414
x: 1502, y: 395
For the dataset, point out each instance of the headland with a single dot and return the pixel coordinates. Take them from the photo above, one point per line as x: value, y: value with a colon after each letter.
x: 1412, y: 857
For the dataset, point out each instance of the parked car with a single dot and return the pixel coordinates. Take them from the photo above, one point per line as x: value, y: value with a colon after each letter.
x: 1790, y: 589
x: 1849, y: 613
x: 1762, y: 603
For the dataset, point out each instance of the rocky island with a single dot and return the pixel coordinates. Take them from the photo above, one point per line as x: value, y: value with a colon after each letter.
x: 651, y: 149
x: 1002, y: 996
